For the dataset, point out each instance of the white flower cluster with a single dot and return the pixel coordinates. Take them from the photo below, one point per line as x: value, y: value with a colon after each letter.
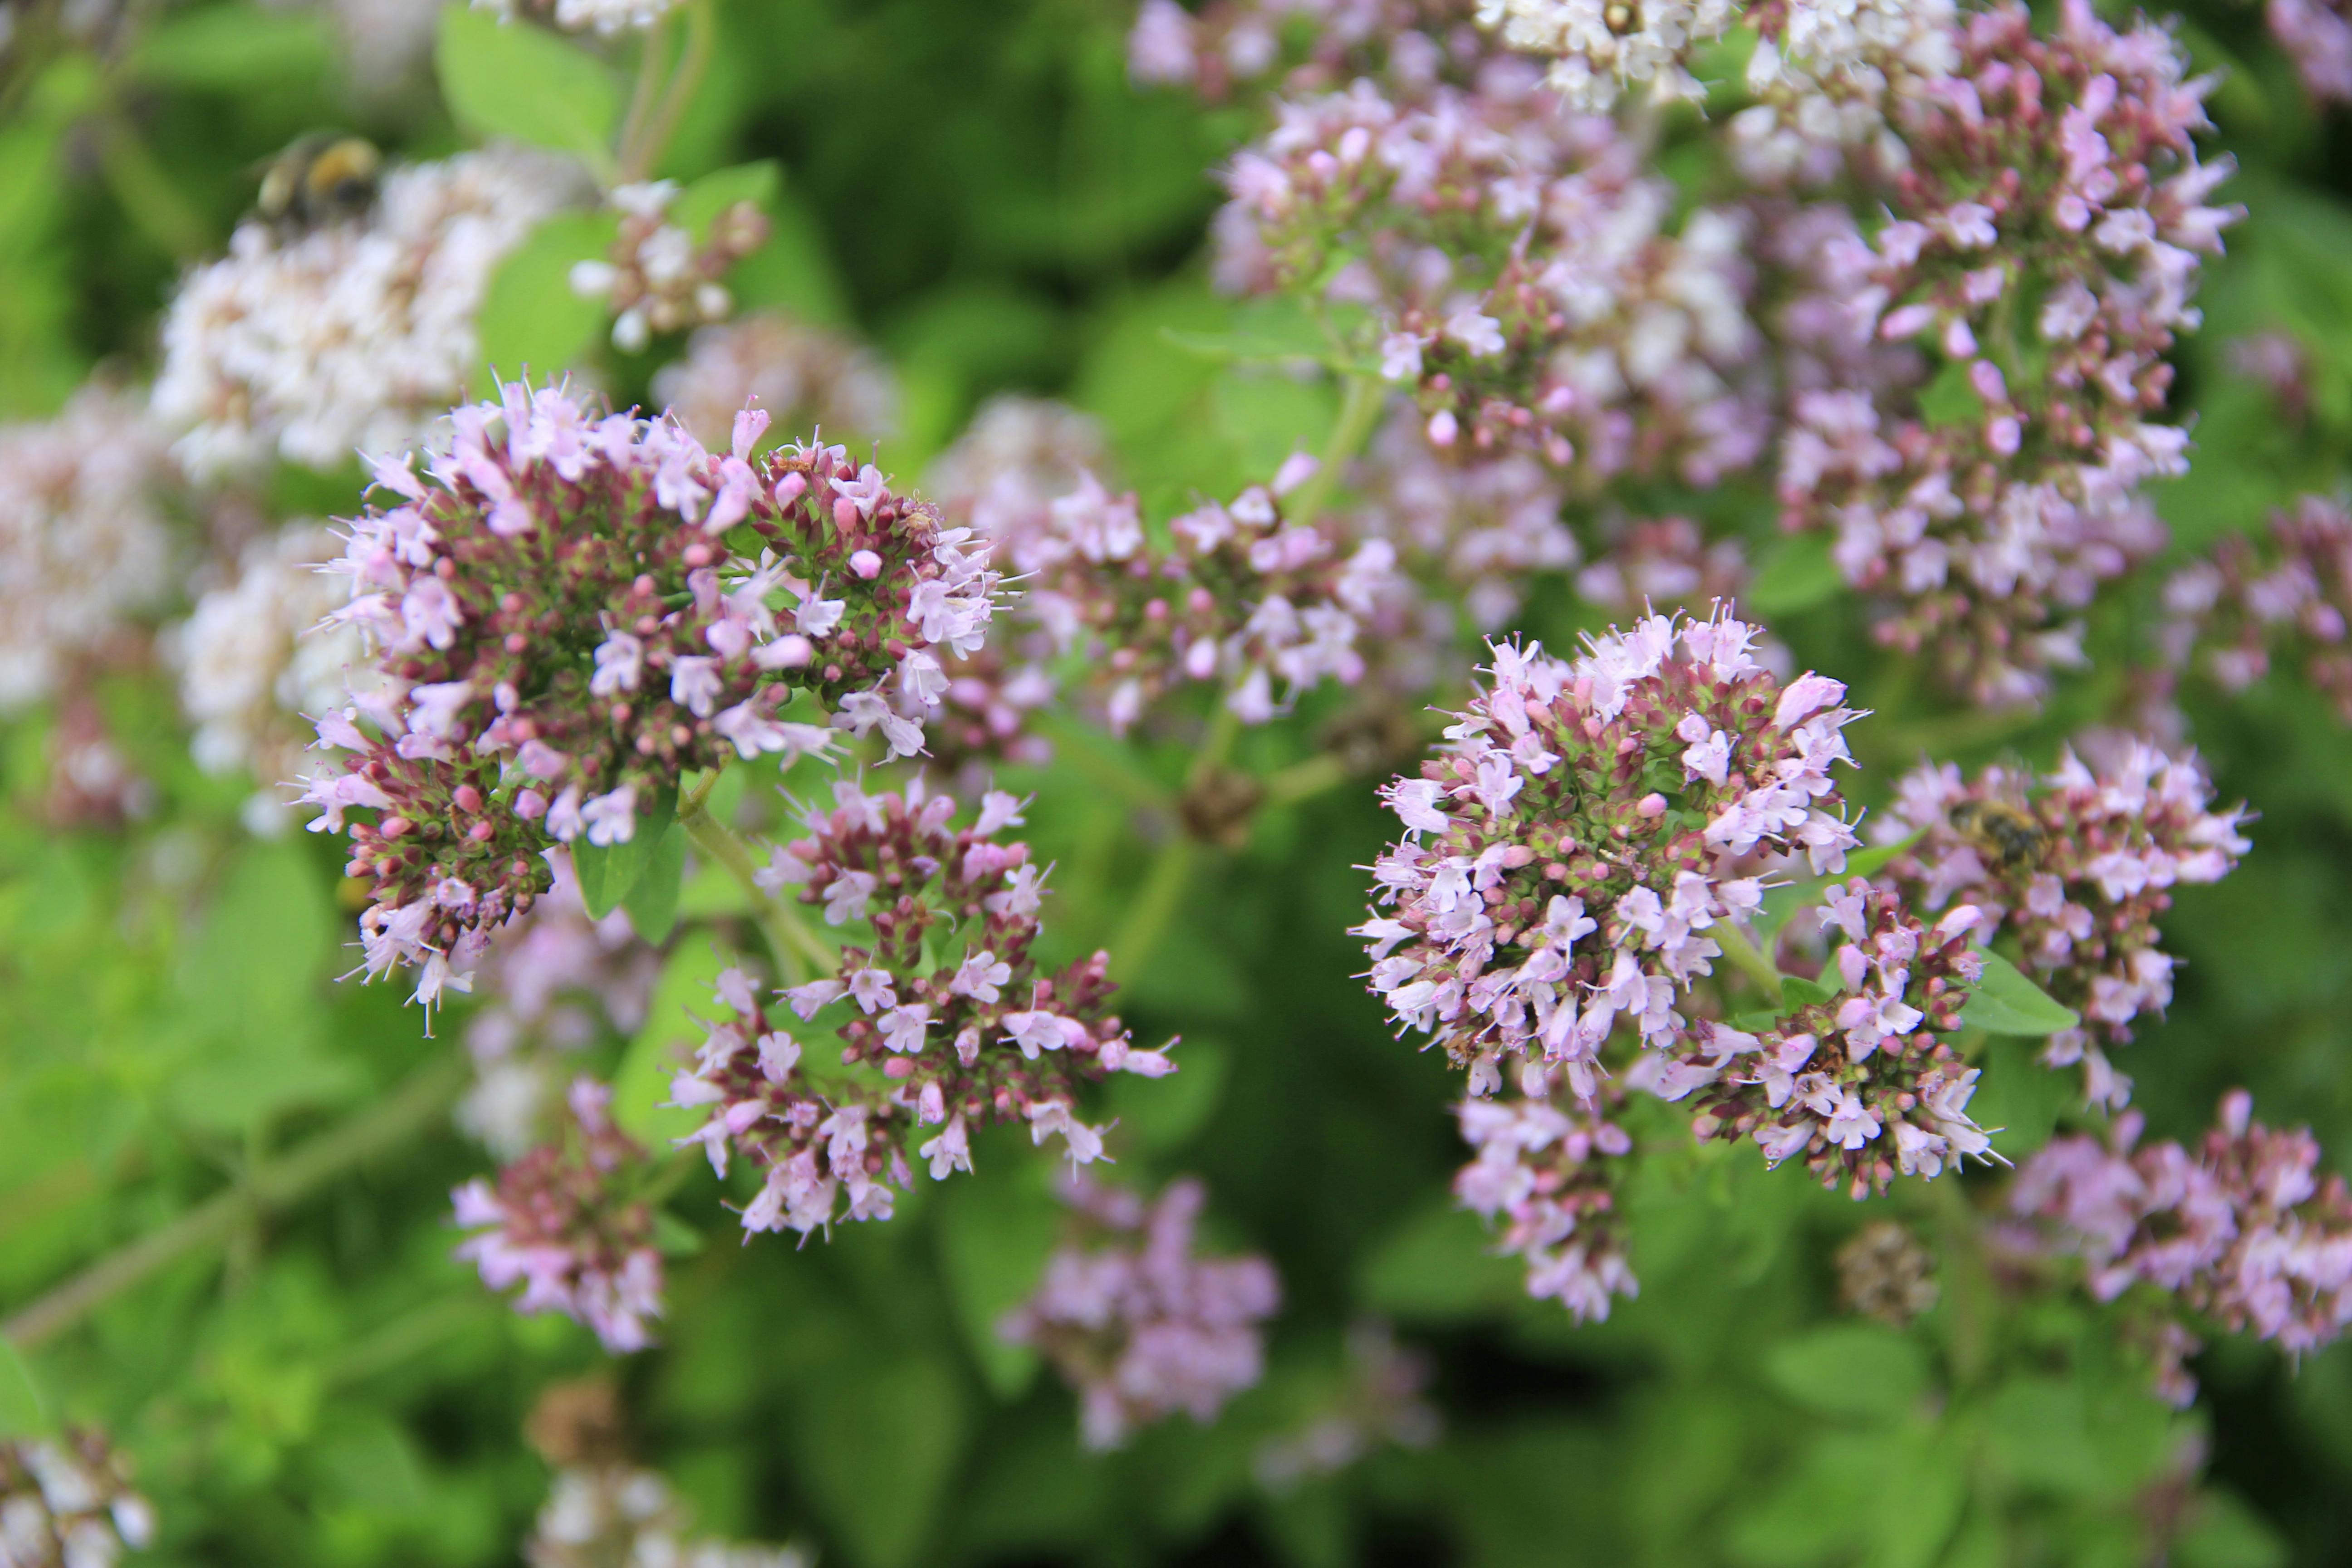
x: 252, y: 658
x: 82, y: 540
x: 354, y: 335
x: 1602, y: 48
x: 804, y: 376
x: 618, y: 1515
x: 605, y: 18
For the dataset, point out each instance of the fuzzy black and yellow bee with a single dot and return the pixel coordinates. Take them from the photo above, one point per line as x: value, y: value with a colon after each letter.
x: 2004, y: 834
x: 319, y: 179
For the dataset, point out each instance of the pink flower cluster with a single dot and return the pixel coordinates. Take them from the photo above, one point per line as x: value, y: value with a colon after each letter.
x: 568, y: 1223
x: 946, y: 1021
x: 1860, y: 1085
x: 1536, y: 292
x: 2317, y: 37
x: 1544, y: 1169
x: 2255, y: 600
x: 1230, y: 45
x: 1664, y: 561
x: 2080, y: 866
x: 569, y: 618
x: 1137, y: 1323
x: 2046, y: 242
x: 1590, y: 824
x: 1265, y: 606
x: 2242, y: 1229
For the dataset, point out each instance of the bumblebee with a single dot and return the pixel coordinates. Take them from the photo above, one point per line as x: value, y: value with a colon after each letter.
x: 1621, y: 18
x: 2002, y: 833
x: 320, y: 178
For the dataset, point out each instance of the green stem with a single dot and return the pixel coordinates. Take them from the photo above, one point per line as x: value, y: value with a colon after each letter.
x: 1968, y: 1286
x: 1303, y: 779
x: 1360, y: 410
x: 651, y: 55
x: 1105, y: 760
x: 799, y: 951
x: 701, y: 41
x: 412, y: 1333
x: 392, y: 1121
x: 1155, y: 904
x: 150, y: 198
x: 1745, y: 957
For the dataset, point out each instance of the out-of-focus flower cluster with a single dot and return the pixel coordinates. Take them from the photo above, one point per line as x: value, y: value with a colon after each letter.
x: 84, y: 541
x: 1383, y: 1400
x: 569, y: 1223
x: 658, y: 277
x: 617, y: 1516
x: 947, y: 1021
x: 356, y: 334
x: 1884, y: 1273
x: 2242, y: 1229
x: 1534, y: 288
x: 2054, y: 179
x: 2255, y: 600
x: 1544, y: 1168
x: 553, y: 980
x: 66, y: 1503
x: 2079, y: 866
x: 2317, y: 37
x: 564, y: 629
x: 1139, y: 1323
x: 806, y: 377
x: 1308, y: 44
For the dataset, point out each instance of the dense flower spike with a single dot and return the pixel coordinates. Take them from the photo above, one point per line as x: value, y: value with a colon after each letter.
x: 617, y: 1516
x: 554, y: 980
x: 804, y: 376
x: 2045, y: 243
x: 1863, y: 1085
x: 83, y: 541
x: 1533, y: 288
x: 567, y: 1222
x: 67, y: 1503
x: 658, y: 276
x: 1138, y: 1323
x: 1545, y: 1170
x: 2284, y: 598
x: 2242, y: 1229
x: 1383, y: 1400
x: 2079, y: 865
x: 566, y: 629
x: 1266, y: 606
x: 356, y: 334
x: 1600, y: 819
x: 947, y: 1021
x: 247, y: 669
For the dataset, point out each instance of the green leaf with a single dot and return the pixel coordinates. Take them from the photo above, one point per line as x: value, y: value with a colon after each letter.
x: 512, y: 80
x: 1162, y: 1113
x: 662, y: 1045
x: 1870, y: 862
x: 1949, y: 400
x: 1795, y: 574
x: 1854, y: 1369
x: 653, y: 902
x: 232, y: 46
x: 700, y: 205
x: 672, y: 1237
x: 2018, y: 1096
x: 1796, y: 991
x: 2226, y: 1533
x: 2006, y: 1003
x: 890, y: 1413
x: 531, y: 320
x: 608, y: 873
x: 1438, y: 1266
x: 2038, y: 1429
x: 23, y: 1412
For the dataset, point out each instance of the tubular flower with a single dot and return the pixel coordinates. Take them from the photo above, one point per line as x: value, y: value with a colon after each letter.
x: 1565, y: 858
x: 1862, y: 1086
x: 2242, y: 1229
x: 66, y: 1503
x: 660, y: 278
x: 1545, y: 1168
x: 1144, y: 1331
x: 2255, y: 600
x: 1533, y: 292
x: 2046, y: 242
x: 566, y: 622
x: 566, y: 1221
x: 2079, y: 865
x: 357, y: 334
x: 945, y: 1023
